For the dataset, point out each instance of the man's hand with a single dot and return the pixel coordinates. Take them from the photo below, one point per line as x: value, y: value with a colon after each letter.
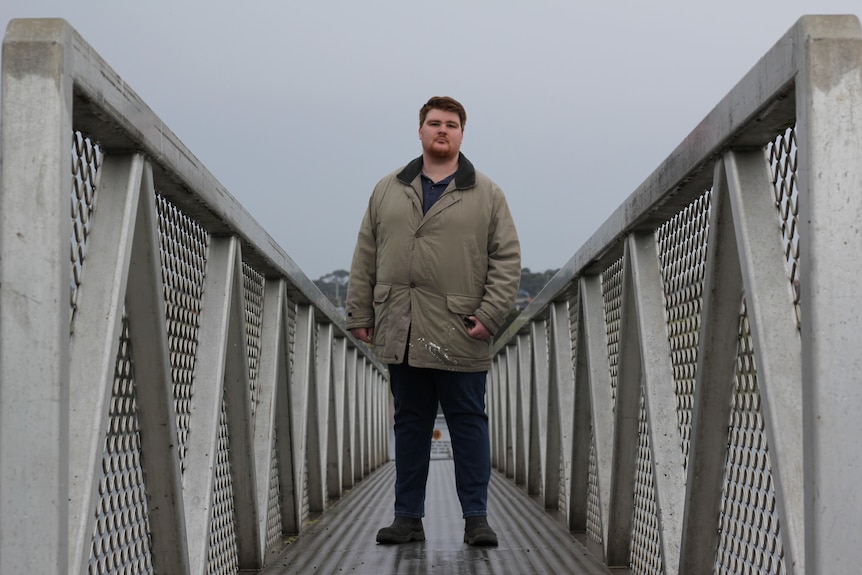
x: 477, y: 330
x: 364, y: 334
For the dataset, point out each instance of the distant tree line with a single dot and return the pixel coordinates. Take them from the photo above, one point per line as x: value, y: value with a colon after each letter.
x: 532, y: 283
x: 334, y: 286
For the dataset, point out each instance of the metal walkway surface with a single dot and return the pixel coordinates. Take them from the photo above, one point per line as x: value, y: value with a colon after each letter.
x: 342, y: 540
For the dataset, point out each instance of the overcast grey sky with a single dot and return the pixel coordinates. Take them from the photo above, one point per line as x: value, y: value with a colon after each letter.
x: 298, y: 108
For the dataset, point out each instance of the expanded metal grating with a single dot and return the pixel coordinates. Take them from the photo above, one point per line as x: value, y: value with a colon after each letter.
x: 612, y: 296
x: 86, y: 159
x: 782, y: 159
x: 291, y: 339
x: 538, y: 485
x: 750, y: 536
x: 682, y: 255
x: 253, y: 293
x: 222, y: 555
x: 573, y: 308
x: 253, y: 284
x: 562, y: 497
x: 646, y: 556
x: 274, y: 528
x: 749, y: 526
x: 594, y: 511
x: 121, y: 532
x: 121, y: 535
x: 183, y: 247
x: 305, y: 513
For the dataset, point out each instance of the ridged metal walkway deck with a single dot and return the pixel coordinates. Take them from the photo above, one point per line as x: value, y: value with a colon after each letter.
x: 343, y: 539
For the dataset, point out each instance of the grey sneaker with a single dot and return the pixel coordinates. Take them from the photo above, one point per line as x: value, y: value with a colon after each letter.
x: 477, y: 532
x: 402, y: 530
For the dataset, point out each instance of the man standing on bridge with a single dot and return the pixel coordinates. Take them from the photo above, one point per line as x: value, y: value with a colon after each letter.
x: 434, y: 275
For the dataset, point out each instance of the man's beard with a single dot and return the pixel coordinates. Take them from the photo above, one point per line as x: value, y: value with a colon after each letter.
x: 441, y: 152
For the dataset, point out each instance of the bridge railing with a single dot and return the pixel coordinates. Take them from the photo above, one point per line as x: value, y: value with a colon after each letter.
x: 686, y: 391
x: 176, y: 396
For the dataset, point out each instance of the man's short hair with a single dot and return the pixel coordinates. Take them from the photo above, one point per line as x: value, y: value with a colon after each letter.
x: 446, y: 104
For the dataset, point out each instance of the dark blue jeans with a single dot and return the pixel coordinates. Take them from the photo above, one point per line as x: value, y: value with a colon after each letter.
x: 462, y: 398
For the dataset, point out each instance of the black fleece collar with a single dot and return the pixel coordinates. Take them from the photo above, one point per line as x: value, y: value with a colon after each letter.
x: 465, y: 177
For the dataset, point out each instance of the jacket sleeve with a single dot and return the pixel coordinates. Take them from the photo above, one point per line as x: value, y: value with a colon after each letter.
x: 363, y: 275
x: 504, y: 267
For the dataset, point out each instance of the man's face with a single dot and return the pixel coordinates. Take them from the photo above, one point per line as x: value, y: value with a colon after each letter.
x: 441, y: 134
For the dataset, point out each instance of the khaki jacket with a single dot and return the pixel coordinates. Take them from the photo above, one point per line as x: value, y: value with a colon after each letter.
x: 422, y: 274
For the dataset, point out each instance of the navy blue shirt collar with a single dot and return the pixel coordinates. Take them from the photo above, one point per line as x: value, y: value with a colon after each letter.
x: 431, y: 191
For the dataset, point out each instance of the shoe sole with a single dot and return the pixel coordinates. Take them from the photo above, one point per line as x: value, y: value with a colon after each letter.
x: 394, y: 539
x: 481, y: 542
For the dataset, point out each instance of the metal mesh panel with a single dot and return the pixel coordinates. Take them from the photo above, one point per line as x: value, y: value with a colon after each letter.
x: 594, y: 512
x: 274, y: 528
x: 306, y: 507
x: 223, y: 558
x: 573, y: 307
x: 182, y: 248
x: 533, y: 438
x: 86, y: 159
x: 254, y: 287
x: 291, y: 336
x: 562, y: 496
x: 682, y: 255
x: 253, y: 291
x: 291, y: 339
x: 646, y: 556
x: 612, y: 294
x: 750, y: 536
x: 782, y: 158
x: 121, y: 536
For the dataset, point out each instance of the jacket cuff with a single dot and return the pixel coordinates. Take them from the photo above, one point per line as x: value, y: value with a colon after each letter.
x: 486, y: 320
x: 356, y: 319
